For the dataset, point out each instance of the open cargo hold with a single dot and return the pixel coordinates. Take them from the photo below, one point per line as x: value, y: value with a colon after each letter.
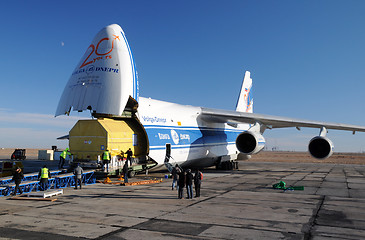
x: 90, y: 138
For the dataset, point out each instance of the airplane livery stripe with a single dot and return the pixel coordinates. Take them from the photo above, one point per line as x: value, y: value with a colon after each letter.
x: 193, y: 128
x: 163, y: 147
x: 134, y: 73
x: 189, y: 136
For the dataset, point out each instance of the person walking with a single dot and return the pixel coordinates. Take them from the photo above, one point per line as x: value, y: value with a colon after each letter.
x: 189, y: 184
x: 78, y: 175
x: 181, y: 183
x: 197, y: 182
x: 125, y: 171
x: 129, y: 156
x: 17, y: 178
x: 174, y: 176
x: 43, y: 175
x: 63, y: 157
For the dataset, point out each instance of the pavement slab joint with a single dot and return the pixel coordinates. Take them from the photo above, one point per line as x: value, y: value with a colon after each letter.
x: 233, y: 205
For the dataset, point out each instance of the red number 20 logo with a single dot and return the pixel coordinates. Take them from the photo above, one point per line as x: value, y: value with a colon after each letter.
x: 97, y: 49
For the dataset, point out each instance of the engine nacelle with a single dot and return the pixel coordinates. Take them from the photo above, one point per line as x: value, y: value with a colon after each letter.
x: 250, y: 142
x: 320, y: 147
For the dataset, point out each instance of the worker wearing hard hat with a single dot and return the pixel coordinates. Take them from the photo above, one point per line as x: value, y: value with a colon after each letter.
x: 63, y: 157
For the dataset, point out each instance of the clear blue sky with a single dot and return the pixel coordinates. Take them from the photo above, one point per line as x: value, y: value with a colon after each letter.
x: 306, y: 59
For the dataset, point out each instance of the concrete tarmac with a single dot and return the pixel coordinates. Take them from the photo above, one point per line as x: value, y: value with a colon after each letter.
x: 239, y: 204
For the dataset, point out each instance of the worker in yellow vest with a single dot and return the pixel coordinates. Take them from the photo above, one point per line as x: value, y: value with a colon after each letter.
x: 43, y: 175
x: 63, y: 157
x: 106, y: 159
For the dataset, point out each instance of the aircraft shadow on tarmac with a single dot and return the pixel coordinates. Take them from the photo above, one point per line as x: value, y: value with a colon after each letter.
x: 123, y: 196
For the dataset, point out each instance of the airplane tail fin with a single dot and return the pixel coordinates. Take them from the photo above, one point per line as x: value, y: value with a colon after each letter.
x: 245, y: 100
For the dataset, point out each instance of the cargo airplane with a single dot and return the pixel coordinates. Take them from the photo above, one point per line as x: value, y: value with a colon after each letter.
x: 105, y: 82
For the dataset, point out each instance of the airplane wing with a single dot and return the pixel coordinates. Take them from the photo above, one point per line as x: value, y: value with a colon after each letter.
x: 64, y: 137
x: 227, y: 116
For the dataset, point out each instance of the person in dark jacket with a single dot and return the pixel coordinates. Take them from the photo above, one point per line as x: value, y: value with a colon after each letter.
x: 17, y: 178
x: 181, y: 183
x: 125, y: 171
x: 129, y: 156
x: 174, y: 176
x: 197, y: 182
x: 189, y: 183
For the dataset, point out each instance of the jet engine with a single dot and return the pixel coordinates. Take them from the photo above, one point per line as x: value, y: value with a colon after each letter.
x: 320, y: 147
x: 250, y: 142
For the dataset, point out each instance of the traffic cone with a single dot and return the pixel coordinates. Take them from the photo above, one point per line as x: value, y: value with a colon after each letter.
x: 107, y: 180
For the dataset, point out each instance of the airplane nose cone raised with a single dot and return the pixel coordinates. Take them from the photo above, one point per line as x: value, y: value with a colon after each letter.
x: 104, y: 78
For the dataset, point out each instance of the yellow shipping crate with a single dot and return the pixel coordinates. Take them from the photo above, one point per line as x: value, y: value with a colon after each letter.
x: 90, y: 138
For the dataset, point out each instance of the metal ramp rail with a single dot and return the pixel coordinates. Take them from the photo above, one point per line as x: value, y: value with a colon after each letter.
x: 68, y: 179
x: 27, y: 186
x: 27, y: 177
x: 59, y: 181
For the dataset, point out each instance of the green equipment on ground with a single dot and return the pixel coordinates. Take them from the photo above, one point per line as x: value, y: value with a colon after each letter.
x: 282, y: 185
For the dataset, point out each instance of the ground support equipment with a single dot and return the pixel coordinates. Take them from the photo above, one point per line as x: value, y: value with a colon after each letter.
x: 59, y: 181
x: 27, y: 177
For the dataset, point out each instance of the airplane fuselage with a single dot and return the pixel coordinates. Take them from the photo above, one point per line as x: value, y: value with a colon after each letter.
x: 105, y: 82
x: 192, y: 141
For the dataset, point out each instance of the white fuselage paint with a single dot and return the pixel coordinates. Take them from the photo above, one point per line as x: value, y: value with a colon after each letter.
x: 193, y: 141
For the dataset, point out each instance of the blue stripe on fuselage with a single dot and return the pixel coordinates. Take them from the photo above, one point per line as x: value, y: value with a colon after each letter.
x: 189, y: 137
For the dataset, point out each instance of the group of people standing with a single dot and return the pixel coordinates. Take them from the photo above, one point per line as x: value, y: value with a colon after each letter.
x: 186, y: 178
x: 43, y: 175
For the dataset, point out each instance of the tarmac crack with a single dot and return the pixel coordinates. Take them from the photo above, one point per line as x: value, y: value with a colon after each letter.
x: 16, y: 233
x: 158, y: 218
x: 323, y: 178
x: 347, y: 184
x: 122, y: 229
x: 307, y: 228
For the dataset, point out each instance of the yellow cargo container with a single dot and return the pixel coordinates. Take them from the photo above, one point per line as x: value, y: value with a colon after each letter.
x: 88, y: 139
